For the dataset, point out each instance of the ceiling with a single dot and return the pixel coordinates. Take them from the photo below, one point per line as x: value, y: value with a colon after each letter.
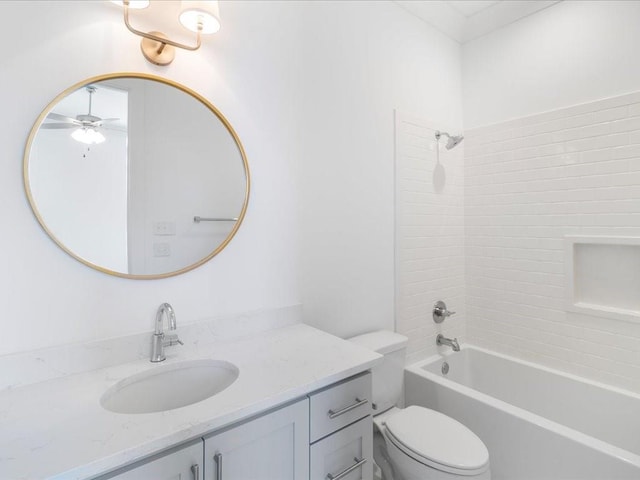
x: 470, y: 7
x: 465, y: 20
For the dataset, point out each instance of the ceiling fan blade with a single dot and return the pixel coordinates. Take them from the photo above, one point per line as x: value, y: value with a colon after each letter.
x: 62, y: 118
x: 114, y: 128
x: 100, y: 122
x: 55, y: 126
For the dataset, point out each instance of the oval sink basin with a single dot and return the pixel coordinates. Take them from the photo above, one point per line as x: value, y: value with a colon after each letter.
x: 171, y: 386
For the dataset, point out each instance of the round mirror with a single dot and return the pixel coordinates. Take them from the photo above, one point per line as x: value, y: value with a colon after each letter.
x: 136, y: 176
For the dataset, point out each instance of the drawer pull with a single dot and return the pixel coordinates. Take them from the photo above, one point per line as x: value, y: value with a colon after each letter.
x: 358, y: 403
x: 348, y: 470
x: 218, y: 459
x: 195, y: 469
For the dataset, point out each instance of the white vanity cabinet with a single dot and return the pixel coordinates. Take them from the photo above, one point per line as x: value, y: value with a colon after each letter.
x: 274, y: 446
x: 181, y: 463
x: 342, y: 431
x: 325, y: 435
x: 346, y: 454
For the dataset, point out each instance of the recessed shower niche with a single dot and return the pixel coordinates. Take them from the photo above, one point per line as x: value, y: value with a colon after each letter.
x: 603, y: 276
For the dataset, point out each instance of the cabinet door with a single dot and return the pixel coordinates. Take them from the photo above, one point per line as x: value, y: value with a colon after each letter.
x: 274, y: 446
x: 184, y: 463
x: 346, y: 454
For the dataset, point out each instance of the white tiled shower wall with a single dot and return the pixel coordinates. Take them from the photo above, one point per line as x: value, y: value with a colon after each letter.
x: 429, y: 241
x: 528, y: 183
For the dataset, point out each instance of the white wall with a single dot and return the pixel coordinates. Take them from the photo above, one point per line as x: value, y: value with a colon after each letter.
x: 573, y: 52
x: 179, y: 169
x: 247, y: 71
x: 81, y: 193
x: 361, y: 61
x: 528, y: 184
x: 538, y: 177
x: 430, y: 253
x: 310, y: 87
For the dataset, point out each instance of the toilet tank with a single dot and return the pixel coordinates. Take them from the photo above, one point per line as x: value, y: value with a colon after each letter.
x: 388, y: 376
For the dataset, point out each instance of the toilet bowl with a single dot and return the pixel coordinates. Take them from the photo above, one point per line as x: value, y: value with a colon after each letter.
x: 416, y: 443
x: 424, y: 444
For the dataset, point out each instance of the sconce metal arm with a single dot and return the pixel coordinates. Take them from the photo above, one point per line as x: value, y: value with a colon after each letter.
x: 161, y: 40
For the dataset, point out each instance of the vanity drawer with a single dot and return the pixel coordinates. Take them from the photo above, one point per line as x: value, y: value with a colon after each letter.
x: 339, y: 406
x: 345, y: 455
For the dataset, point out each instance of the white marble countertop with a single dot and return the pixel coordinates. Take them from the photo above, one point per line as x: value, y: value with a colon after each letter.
x: 57, y: 429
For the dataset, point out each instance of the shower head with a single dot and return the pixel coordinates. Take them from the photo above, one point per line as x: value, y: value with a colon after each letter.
x: 453, y: 140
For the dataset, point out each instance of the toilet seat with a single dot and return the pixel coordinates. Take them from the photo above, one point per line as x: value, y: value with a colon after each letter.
x: 437, y: 440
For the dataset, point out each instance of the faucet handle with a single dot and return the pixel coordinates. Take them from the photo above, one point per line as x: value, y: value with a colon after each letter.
x: 172, y: 340
x: 440, y: 312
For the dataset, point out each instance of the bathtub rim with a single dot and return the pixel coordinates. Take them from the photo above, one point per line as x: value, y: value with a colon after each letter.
x: 555, y: 427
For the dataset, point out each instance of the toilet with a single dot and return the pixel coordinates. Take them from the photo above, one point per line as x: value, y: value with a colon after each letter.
x: 416, y: 443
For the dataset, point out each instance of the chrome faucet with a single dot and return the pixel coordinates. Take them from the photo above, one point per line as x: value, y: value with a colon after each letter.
x: 159, y: 340
x: 453, y: 343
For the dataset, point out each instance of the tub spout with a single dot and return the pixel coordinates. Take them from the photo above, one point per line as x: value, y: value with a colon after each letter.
x: 453, y: 343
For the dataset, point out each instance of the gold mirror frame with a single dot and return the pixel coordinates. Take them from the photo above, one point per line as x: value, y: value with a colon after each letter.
x: 143, y: 76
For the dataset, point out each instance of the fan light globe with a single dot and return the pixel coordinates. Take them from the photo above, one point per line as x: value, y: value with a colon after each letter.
x: 89, y: 136
x: 205, y: 12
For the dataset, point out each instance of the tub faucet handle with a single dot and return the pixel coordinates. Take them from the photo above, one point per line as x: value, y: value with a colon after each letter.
x: 440, y: 312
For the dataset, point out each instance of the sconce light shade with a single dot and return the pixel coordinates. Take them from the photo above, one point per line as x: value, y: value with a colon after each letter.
x: 205, y: 13
x: 89, y: 136
x: 134, y: 4
x: 201, y: 17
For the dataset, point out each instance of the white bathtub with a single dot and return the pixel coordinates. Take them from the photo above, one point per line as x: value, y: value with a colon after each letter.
x: 538, y: 423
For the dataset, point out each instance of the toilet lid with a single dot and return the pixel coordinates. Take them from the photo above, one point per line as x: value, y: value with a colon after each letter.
x: 432, y: 437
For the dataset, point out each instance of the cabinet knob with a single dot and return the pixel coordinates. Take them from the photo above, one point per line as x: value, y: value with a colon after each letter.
x: 195, y: 469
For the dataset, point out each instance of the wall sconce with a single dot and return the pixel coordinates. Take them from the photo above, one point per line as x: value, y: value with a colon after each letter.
x: 201, y: 17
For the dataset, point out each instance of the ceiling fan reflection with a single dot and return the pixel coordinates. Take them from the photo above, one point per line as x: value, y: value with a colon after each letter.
x: 86, y: 125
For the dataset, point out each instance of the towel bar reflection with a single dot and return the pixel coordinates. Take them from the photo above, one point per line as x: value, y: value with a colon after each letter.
x: 214, y: 219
